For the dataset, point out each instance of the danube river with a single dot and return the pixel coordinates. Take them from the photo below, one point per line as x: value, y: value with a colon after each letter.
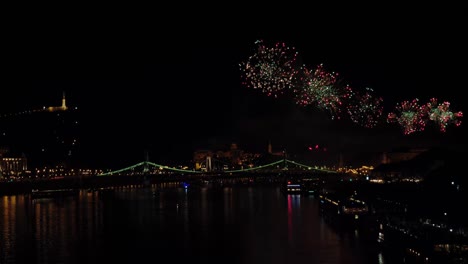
x: 173, y: 223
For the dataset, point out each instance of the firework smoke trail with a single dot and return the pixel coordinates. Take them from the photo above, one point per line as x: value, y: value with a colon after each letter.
x: 271, y: 70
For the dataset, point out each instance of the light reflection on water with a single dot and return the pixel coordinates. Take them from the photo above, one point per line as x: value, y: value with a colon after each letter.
x: 231, y: 225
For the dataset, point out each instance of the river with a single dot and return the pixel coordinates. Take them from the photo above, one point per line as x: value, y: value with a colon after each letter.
x: 171, y: 223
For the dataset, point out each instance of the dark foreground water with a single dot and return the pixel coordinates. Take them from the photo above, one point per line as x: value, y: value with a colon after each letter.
x: 198, y: 225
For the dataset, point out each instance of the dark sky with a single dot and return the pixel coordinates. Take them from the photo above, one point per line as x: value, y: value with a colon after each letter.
x: 171, y: 86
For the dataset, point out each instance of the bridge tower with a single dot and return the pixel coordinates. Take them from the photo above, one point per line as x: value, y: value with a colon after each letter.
x: 146, y: 165
x: 208, y: 163
x: 284, y: 159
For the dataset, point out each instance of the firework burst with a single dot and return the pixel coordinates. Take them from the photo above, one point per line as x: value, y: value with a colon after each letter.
x: 274, y: 70
x: 365, y: 108
x: 318, y: 88
x: 270, y: 69
x: 410, y: 116
x: 441, y: 114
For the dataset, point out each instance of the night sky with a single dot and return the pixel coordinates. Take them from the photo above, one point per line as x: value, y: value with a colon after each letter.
x: 173, y: 86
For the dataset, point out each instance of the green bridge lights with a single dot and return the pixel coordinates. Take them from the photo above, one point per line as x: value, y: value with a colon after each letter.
x: 145, y: 165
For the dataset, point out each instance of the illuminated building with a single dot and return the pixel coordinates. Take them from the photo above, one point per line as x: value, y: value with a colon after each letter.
x: 222, y: 160
x: 63, y: 107
x: 202, y: 159
x: 13, y: 166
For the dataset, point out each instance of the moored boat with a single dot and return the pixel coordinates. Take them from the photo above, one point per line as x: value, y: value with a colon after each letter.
x: 304, y: 186
x: 344, y: 210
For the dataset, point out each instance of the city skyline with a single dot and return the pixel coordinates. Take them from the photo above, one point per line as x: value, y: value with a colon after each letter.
x: 244, y: 132
x: 179, y: 92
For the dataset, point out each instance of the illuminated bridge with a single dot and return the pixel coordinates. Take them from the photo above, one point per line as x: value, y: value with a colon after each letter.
x: 280, y: 166
x: 148, y: 173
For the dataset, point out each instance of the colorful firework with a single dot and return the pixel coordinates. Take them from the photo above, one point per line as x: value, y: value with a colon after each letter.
x: 365, y: 108
x: 319, y: 88
x: 411, y: 116
x: 274, y: 70
x: 441, y: 114
x: 270, y: 69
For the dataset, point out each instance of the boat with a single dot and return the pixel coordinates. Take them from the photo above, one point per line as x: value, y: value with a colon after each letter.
x: 53, y: 193
x: 293, y: 186
x: 303, y: 186
x: 343, y: 210
x: 431, y: 241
